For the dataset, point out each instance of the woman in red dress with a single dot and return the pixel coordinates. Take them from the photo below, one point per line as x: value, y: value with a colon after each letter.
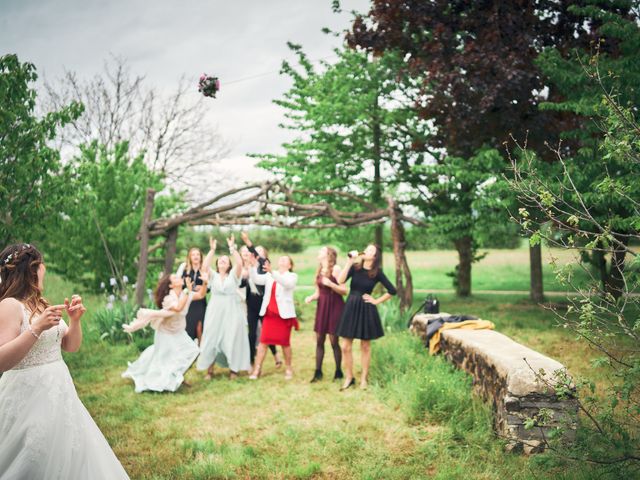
x: 278, y: 311
x: 330, y: 306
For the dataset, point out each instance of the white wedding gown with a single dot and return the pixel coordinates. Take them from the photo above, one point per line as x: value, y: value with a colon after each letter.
x: 45, y: 430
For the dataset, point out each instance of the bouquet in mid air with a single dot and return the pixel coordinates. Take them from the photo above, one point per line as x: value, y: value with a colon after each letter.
x: 208, y: 85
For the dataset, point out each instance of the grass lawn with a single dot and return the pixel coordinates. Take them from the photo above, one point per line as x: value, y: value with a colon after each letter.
x: 418, y: 419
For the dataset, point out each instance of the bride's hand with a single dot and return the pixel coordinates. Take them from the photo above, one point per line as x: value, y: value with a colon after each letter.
x: 75, y: 309
x: 49, y: 318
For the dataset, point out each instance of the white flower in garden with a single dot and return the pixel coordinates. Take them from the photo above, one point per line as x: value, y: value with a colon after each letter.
x: 135, y: 285
x: 125, y: 298
x: 112, y: 282
x: 102, y: 285
x: 112, y: 298
x: 125, y: 279
x: 109, y: 306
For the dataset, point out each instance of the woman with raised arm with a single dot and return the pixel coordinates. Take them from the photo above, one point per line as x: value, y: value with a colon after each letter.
x: 161, y: 367
x: 360, y: 318
x: 329, y: 311
x: 45, y: 430
x: 278, y: 311
x: 224, y: 338
x: 192, y: 269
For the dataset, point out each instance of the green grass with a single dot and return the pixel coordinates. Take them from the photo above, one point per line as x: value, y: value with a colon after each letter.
x: 418, y: 420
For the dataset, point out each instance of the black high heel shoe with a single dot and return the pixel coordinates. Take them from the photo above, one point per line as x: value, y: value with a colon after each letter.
x: 351, y: 384
x: 317, y: 376
x: 338, y: 375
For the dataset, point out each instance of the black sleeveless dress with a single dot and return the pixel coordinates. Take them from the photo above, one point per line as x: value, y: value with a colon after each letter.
x: 197, y: 309
x: 361, y: 319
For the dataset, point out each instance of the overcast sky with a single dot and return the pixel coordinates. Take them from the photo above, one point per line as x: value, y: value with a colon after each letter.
x: 165, y: 39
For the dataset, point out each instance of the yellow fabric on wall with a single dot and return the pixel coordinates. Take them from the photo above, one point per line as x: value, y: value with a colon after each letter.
x: 434, y: 342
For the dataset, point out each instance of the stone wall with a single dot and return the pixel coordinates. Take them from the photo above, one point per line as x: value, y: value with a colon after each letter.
x: 519, y: 383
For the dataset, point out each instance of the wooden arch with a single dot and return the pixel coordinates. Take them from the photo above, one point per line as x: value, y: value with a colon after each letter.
x: 272, y: 204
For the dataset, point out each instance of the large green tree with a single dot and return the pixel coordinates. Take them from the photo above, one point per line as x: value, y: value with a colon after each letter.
x: 477, y: 64
x: 354, y: 122
x: 610, y: 64
x: 32, y: 178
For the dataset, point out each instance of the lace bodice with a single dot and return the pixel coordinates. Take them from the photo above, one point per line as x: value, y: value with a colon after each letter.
x: 47, y: 349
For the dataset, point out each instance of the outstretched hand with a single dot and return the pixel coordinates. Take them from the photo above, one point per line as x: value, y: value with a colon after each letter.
x: 231, y: 241
x: 245, y: 238
x: 212, y: 244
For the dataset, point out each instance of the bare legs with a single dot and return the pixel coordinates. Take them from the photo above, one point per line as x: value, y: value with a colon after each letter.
x: 365, y: 352
x: 347, y: 355
x: 262, y: 352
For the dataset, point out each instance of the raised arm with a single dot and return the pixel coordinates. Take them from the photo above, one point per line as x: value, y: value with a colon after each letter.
x: 182, y: 302
x: 233, y: 251
x: 342, y: 278
x: 208, y: 260
x: 247, y: 241
x: 73, y: 338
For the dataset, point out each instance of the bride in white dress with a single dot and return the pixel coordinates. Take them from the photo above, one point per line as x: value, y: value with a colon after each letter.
x: 45, y: 430
x: 161, y: 367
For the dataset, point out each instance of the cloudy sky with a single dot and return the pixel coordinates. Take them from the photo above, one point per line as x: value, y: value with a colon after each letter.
x: 165, y: 39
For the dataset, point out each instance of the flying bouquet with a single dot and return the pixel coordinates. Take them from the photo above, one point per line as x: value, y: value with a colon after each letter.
x: 208, y: 85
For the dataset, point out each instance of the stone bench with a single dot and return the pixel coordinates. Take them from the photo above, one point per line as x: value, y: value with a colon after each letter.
x: 509, y: 375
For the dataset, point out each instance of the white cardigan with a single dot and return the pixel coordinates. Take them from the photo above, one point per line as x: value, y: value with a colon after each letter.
x: 284, y: 293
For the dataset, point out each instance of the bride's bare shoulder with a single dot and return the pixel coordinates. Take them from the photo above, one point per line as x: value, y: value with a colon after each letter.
x: 9, y: 307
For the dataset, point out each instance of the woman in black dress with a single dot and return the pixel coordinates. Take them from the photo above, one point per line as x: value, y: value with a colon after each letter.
x: 254, y: 297
x: 192, y: 269
x: 360, y: 318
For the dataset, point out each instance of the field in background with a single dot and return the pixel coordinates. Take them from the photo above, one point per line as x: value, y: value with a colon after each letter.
x: 500, y: 270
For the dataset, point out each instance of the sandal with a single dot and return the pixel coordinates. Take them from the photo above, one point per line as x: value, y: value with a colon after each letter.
x: 255, y: 374
x: 288, y: 375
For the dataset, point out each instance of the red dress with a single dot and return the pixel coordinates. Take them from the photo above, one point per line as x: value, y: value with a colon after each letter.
x: 275, y: 329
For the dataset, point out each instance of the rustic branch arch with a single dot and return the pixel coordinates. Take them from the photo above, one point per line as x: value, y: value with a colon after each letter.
x: 273, y: 204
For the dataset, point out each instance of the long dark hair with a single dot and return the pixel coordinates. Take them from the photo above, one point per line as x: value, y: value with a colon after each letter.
x: 162, y: 290
x: 19, y: 265
x: 375, y: 266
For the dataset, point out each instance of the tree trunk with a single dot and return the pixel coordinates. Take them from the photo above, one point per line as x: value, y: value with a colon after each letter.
x: 376, y: 194
x: 616, y: 283
x: 143, y: 261
x: 536, y: 291
x: 404, y: 287
x: 465, y: 258
x: 170, y: 250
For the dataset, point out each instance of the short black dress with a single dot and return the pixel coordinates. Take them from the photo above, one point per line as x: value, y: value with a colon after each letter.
x: 361, y: 319
x: 197, y: 309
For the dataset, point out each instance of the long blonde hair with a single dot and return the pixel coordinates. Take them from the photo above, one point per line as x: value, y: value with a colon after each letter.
x: 188, y: 266
x: 332, y: 259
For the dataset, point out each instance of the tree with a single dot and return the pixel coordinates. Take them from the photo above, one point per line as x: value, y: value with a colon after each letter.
x: 32, y: 179
x: 577, y: 76
x: 477, y: 61
x: 172, y: 132
x: 606, y: 321
x: 354, y: 120
x: 94, y: 236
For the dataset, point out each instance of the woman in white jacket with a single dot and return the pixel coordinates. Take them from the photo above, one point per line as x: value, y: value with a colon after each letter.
x: 278, y: 311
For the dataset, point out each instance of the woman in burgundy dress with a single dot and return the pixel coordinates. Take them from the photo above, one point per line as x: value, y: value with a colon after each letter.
x: 330, y: 306
x: 278, y: 311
